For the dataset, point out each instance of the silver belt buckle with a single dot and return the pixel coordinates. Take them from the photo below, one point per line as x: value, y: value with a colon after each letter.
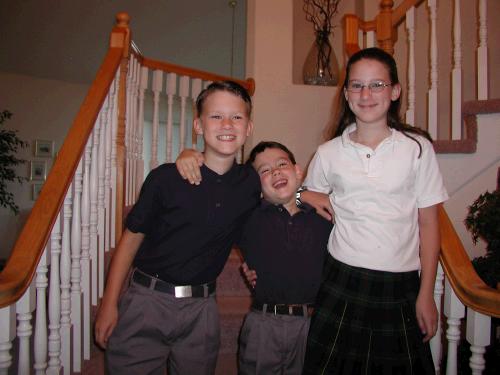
x: 183, y: 291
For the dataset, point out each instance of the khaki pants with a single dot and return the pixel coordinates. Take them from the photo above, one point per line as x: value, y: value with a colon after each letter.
x: 154, y: 327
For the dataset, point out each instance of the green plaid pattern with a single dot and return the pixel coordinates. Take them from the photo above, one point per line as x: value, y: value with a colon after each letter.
x: 365, y: 323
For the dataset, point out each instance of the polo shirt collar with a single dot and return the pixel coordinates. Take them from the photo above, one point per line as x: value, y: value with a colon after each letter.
x: 228, y: 175
x: 396, y: 136
x: 266, y: 205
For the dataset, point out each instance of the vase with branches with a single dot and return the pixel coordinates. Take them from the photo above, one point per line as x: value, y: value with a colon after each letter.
x: 321, y: 66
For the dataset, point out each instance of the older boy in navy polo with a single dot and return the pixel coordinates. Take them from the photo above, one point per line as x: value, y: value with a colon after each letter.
x: 178, y: 238
x: 286, y: 245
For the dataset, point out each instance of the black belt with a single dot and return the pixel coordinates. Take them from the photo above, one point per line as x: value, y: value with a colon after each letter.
x: 284, y: 309
x: 178, y: 291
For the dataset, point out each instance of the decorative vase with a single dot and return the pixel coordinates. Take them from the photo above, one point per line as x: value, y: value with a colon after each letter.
x: 321, y: 66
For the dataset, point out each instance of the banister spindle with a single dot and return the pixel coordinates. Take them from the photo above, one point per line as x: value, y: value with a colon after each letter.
x: 40, y: 346
x: 454, y: 310
x: 171, y: 91
x: 410, y: 26
x: 482, y: 53
x: 66, y: 283
x: 478, y: 335
x: 76, y: 290
x: 435, y: 343
x: 195, y: 91
x: 157, y: 89
x: 24, y: 309
x: 183, y: 93
x: 7, y: 334
x: 143, y: 86
x: 101, y: 211
x: 54, y: 344
x: 93, y: 212
x: 432, y: 93
x: 456, y: 74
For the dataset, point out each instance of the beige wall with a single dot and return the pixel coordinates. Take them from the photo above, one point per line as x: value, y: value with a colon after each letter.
x: 42, y: 109
x: 293, y: 114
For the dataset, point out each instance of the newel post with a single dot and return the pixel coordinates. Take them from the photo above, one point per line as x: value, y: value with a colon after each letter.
x: 385, y: 30
x: 120, y: 38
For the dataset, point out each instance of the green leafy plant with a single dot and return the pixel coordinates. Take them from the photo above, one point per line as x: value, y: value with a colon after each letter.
x: 9, y: 145
x: 483, y: 221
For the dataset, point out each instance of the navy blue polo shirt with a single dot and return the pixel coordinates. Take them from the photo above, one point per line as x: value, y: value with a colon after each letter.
x: 287, y: 252
x: 189, y: 230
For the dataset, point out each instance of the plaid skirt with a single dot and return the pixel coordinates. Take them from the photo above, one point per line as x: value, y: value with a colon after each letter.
x: 365, y: 323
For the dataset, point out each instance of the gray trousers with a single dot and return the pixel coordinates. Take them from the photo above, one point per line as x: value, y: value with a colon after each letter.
x: 154, y: 327
x: 272, y: 344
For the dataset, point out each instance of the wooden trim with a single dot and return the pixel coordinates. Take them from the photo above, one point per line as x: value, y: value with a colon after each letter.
x: 22, y: 264
x: 399, y: 14
x: 249, y: 83
x: 470, y: 110
x: 467, y: 285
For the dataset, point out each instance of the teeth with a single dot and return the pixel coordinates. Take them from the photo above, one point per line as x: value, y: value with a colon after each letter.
x: 226, y: 137
x: 280, y: 183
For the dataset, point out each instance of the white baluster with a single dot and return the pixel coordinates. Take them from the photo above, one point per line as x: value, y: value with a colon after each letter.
x: 456, y: 76
x: 41, y: 283
x: 133, y: 182
x: 482, y: 53
x: 478, y: 336
x: 361, y: 39
x: 114, y: 132
x: 101, y: 212
x: 195, y: 91
x: 93, y: 213
x: 432, y: 94
x: 76, y: 290
x: 24, y: 309
x: 140, y: 131
x: 65, y: 284
x: 157, y: 88
x: 370, y: 39
x: 107, y: 170
x: 435, y: 343
x: 454, y: 311
x: 54, y: 343
x: 85, y: 260
x: 171, y: 90
x: 183, y: 93
x: 7, y: 333
x: 128, y: 136
x: 410, y: 26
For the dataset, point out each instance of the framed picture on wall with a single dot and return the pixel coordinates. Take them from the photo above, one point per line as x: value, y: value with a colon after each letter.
x: 44, y: 149
x: 36, y: 188
x: 38, y: 170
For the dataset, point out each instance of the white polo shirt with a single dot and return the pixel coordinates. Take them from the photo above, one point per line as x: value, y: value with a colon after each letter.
x: 376, y: 195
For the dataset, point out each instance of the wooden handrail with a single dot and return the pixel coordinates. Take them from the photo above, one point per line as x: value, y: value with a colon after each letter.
x: 249, y: 83
x: 467, y: 285
x: 28, y: 249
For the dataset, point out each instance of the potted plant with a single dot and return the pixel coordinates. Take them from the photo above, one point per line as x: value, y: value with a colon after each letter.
x: 9, y: 145
x: 483, y: 221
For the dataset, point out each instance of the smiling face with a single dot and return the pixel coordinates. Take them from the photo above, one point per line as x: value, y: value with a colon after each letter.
x: 224, y: 123
x: 279, y: 177
x: 369, y: 107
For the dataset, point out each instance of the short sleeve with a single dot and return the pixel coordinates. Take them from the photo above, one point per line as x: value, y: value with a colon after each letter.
x: 316, y: 176
x: 429, y: 186
x: 144, y: 211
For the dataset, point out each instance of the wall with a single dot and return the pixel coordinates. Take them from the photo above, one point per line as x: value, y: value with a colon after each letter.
x: 293, y: 114
x: 42, y: 109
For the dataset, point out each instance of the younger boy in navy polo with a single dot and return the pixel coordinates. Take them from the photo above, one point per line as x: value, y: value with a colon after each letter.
x: 286, y: 245
x: 178, y: 237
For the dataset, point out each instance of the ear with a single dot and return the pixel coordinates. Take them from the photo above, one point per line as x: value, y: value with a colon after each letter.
x: 345, y: 95
x: 197, y: 126
x: 299, y: 173
x: 249, y: 127
x: 396, y: 91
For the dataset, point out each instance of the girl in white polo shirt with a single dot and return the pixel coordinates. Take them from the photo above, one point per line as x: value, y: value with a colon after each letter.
x: 374, y: 313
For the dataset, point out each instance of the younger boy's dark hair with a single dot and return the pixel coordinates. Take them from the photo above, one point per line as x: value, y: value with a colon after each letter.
x: 262, y: 146
x: 229, y: 86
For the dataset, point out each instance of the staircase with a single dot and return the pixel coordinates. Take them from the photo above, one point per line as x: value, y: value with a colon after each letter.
x: 55, y: 275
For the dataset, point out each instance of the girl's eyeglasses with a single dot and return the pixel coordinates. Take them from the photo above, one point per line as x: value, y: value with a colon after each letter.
x: 375, y: 86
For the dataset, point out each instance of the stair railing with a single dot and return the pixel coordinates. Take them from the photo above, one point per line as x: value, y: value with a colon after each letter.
x: 463, y: 294
x: 55, y: 274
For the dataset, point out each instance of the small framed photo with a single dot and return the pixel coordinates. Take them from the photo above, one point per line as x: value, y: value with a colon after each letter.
x: 36, y: 188
x: 44, y: 149
x: 38, y: 170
